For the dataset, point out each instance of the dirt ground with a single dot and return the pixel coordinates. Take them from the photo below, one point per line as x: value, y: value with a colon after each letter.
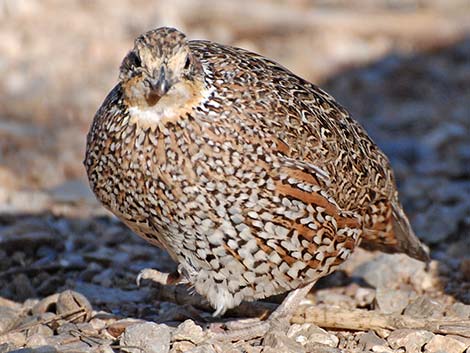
x: 68, y: 268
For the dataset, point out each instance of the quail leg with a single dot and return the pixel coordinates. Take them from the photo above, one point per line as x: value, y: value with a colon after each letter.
x: 164, y: 278
x: 279, y: 319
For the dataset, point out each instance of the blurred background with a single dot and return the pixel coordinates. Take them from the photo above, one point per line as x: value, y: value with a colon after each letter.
x: 402, y: 67
x: 387, y: 60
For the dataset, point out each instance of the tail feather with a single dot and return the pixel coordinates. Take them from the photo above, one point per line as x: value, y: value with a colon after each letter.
x: 407, y: 241
x: 394, y: 233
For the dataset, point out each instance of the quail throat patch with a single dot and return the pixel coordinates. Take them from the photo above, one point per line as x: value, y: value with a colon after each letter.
x: 152, y: 99
x: 180, y: 99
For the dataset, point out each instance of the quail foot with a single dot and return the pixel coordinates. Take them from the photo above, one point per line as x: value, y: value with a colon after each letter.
x: 255, y: 181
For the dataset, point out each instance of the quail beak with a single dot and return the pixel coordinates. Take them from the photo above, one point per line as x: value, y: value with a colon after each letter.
x: 158, y: 87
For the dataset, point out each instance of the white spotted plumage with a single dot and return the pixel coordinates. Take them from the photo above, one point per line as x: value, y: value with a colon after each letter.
x: 254, y: 180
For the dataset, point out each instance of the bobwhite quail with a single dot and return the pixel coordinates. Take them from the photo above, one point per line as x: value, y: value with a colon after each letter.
x: 254, y: 180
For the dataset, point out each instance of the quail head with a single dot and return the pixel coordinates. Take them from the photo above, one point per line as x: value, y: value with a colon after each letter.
x: 254, y: 180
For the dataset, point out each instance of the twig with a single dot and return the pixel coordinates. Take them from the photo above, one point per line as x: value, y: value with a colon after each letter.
x: 328, y: 317
x: 79, y: 311
x: 355, y: 319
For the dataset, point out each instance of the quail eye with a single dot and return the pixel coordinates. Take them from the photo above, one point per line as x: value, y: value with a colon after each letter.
x: 187, y: 63
x: 134, y: 60
x: 130, y: 65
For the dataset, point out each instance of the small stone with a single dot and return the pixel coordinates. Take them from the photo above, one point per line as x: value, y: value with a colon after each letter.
x: 47, y: 317
x: 321, y: 348
x: 445, y: 344
x: 36, y: 340
x: 29, y: 304
x: 412, y: 340
x: 189, y: 331
x: 87, y: 327
x: 364, y: 297
x: 64, y: 340
x: 248, y: 348
x: 75, y: 305
x: 426, y: 281
x: 460, y: 310
x: 9, y: 317
x: 74, y: 345
x: 383, y: 349
x: 279, y: 341
x: 117, y: 328
x: 148, y: 337
x: 370, y: 340
x: 17, y: 339
x: 46, y: 304
x: 10, y: 304
x: 268, y: 349
x: 42, y: 330
x: 98, y: 324
x: 330, y: 298
x: 424, y: 307
x: 181, y: 346
x: 66, y: 328
x: 386, y: 271
x: 392, y: 301
x: 103, y: 349
x: 464, y: 340
x: 310, y: 334
x: 227, y: 347
x: 298, y: 332
x: 205, y: 348
x: 6, y: 347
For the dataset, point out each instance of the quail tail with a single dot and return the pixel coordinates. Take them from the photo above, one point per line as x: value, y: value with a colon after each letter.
x: 397, y: 238
x: 407, y: 241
